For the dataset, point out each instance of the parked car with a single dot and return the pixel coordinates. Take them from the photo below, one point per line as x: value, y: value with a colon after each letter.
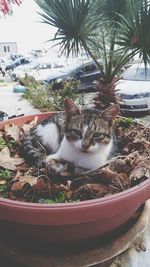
x: 3, y: 63
x: 38, y: 69
x: 134, y: 88
x: 19, y: 61
x: 86, y: 73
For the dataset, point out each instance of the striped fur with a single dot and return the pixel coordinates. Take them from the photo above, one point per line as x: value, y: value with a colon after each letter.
x: 82, y: 137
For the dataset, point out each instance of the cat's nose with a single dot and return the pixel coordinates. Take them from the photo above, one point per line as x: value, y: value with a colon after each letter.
x: 84, y: 147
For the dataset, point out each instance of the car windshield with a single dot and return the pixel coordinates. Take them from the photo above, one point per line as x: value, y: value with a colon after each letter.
x: 137, y: 74
x: 44, y: 65
x: 58, y: 65
x: 69, y: 68
x: 33, y: 65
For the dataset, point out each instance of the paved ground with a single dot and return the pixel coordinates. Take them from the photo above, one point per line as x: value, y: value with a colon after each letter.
x: 145, y: 120
x: 12, y: 103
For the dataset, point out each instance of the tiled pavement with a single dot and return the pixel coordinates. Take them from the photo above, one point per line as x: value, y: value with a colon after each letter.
x: 12, y: 103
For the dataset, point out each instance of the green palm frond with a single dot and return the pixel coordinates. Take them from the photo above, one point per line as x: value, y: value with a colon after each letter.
x: 134, y: 33
x: 74, y: 20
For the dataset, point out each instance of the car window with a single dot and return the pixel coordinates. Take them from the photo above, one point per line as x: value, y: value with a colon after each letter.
x: 45, y: 66
x: 89, y: 68
x: 137, y: 74
x: 33, y: 65
x: 57, y: 65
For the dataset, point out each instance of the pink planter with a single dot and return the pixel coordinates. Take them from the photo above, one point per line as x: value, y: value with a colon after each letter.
x: 69, y: 221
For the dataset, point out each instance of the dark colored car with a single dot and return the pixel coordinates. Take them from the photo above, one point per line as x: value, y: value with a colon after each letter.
x: 17, y: 62
x: 86, y: 73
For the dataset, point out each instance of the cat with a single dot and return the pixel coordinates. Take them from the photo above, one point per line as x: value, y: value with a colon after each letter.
x: 84, y: 137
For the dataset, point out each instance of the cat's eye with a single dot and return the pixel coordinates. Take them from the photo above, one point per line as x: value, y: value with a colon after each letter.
x: 98, y: 135
x: 101, y: 137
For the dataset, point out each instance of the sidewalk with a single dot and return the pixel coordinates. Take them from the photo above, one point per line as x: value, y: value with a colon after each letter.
x: 12, y: 103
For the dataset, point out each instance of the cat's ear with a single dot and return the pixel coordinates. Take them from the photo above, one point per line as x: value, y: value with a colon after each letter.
x: 71, y: 108
x: 110, y: 113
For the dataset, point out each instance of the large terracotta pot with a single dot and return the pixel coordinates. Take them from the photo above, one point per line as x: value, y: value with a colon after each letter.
x: 70, y: 221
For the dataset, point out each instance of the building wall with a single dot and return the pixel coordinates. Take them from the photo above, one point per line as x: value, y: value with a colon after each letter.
x: 8, y: 48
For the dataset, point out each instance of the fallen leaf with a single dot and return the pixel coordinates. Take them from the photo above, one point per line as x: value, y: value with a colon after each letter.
x: 7, y: 162
x: 19, y: 184
x: 121, y: 181
x: 90, y: 191
x: 14, y: 132
x: 108, y: 174
x: 27, y: 126
x: 140, y: 171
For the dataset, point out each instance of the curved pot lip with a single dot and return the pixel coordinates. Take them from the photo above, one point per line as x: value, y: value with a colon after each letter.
x: 92, y: 202
x: 25, y: 118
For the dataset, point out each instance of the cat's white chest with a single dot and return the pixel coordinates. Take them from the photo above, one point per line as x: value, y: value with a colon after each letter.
x: 88, y: 160
x: 50, y: 137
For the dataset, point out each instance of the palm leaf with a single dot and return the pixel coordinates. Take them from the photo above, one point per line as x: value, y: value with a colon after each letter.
x: 135, y: 32
x: 74, y: 20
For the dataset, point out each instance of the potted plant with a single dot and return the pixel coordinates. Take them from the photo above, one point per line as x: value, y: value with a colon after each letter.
x: 77, y: 219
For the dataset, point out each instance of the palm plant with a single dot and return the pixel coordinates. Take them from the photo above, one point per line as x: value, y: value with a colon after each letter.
x: 113, y: 31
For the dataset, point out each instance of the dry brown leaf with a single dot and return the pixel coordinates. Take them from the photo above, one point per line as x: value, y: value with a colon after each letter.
x: 6, y: 127
x: 121, y: 181
x: 120, y: 165
x: 27, y: 126
x: 14, y: 132
x: 90, y: 191
x: 19, y: 184
x: 57, y: 188
x: 140, y: 171
x: 41, y: 186
x: 107, y: 174
x: 7, y: 162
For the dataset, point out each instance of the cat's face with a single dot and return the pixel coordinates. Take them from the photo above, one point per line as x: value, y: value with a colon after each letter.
x: 88, y: 130
x: 88, y: 137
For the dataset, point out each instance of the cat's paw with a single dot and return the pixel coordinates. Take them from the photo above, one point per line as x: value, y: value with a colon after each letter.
x: 55, y: 165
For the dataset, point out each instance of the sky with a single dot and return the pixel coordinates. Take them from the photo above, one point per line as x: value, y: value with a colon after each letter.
x: 25, y: 28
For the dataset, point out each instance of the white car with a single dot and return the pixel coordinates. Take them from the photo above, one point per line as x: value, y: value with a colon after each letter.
x: 38, y: 69
x: 134, y: 88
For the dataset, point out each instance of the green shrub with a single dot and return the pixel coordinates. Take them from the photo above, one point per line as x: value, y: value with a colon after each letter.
x: 44, y: 98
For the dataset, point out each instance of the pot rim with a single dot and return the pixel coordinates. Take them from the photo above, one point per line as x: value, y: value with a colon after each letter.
x: 98, y: 201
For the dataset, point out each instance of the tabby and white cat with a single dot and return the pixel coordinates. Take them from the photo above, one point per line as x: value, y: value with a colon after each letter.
x: 82, y: 137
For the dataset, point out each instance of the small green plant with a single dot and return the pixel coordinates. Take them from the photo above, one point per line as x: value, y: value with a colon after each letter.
x: 44, y: 97
x: 68, y: 90
x: 2, y: 143
x: 5, y: 174
x: 125, y: 122
x: 59, y: 199
x: 28, y: 81
x: 36, y: 93
x: 3, y: 191
x: 5, y: 177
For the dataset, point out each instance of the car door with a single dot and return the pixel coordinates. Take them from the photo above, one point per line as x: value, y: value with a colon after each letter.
x: 87, y: 74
